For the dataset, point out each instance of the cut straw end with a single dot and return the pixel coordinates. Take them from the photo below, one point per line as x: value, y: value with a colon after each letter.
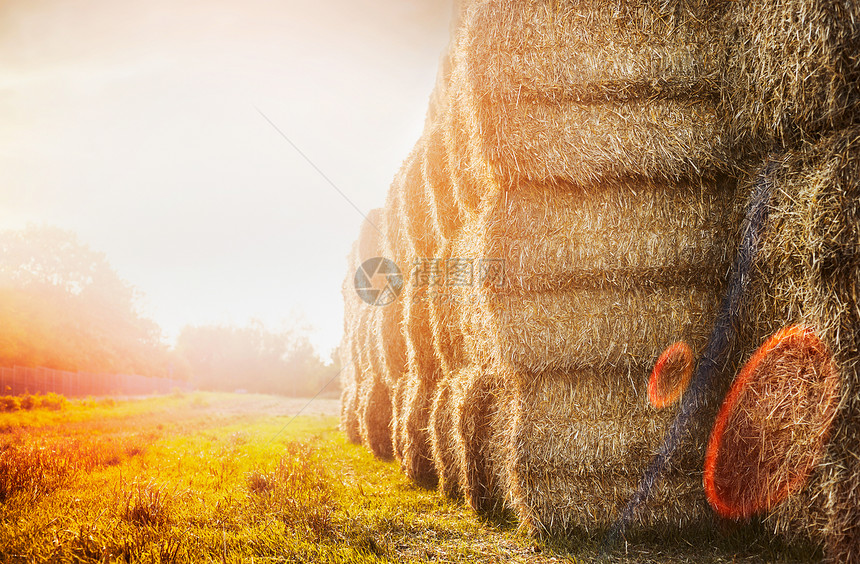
x: 772, y: 425
x: 671, y: 375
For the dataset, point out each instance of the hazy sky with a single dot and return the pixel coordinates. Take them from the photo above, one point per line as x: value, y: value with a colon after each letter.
x: 135, y: 124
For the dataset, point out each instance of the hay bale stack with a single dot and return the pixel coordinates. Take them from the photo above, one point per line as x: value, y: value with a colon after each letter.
x: 374, y: 397
x: 444, y: 313
x: 427, y: 217
x: 423, y: 365
x: 599, y: 282
x: 794, y: 70
x: 592, y: 149
x: 809, y: 274
x: 480, y: 399
x: 349, y: 355
x: 365, y: 247
x: 366, y: 408
x: 391, y: 318
x: 585, y: 91
x: 591, y: 135
x: 447, y: 224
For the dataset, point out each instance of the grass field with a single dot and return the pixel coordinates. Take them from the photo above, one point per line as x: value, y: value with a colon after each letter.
x: 207, y: 477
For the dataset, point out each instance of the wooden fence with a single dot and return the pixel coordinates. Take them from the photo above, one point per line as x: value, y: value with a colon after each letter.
x: 21, y: 380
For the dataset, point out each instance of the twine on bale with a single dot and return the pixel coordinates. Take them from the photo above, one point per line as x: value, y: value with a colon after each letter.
x: 773, y: 424
x: 701, y: 386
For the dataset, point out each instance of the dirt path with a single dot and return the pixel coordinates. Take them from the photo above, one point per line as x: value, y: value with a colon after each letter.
x: 255, y: 404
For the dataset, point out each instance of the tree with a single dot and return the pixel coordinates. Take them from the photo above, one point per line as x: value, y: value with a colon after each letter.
x: 63, y: 306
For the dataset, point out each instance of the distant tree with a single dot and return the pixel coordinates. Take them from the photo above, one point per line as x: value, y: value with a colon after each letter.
x: 253, y: 358
x: 63, y: 306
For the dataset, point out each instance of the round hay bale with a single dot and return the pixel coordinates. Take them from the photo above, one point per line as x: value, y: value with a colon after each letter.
x: 423, y: 373
x: 477, y: 399
x: 579, y: 442
x: 793, y: 72
x: 808, y: 275
x: 380, y: 408
x: 374, y: 400
x: 368, y: 397
x: 365, y: 247
x: 773, y: 425
x: 444, y: 445
x: 375, y: 422
x: 671, y: 375
x: 393, y: 337
x: 349, y: 356
x: 584, y: 91
x: 349, y: 405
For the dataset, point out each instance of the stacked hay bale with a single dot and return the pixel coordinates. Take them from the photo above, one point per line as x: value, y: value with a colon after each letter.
x: 793, y: 71
x: 349, y: 353
x: 792, y: 87
x: 601, y: 155
x: 805, y: 412
x: 391, y: 318
x: 597, y: 151
x: 423, y: 367
x: 443, y: 313
x: 366, y: 402
x: 414, y: 367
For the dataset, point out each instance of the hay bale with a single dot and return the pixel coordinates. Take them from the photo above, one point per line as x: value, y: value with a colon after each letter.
x: 374, y: 397
x: 443, y: 440
x: 793, y: 72
x: 773, y: 425
x: 349, y: 392
x: 412, y: 367
x: 579, y: 443
x: 366, y: 401
x: 595, y: 175
x: 378, y: 417
x: 423, y: 365
x: 808, y: 274
x: 583, y: 145
x: 584, y: 91
x: 469, y: 456
x: 604, y: 276
x: 671, y: 375
x: 480, y: 437
x: 349, y: 354
x: 391, y: 322
x: 444, y: 315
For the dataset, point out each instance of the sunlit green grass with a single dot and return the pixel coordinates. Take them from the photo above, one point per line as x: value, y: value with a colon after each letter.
x: 172, y: 480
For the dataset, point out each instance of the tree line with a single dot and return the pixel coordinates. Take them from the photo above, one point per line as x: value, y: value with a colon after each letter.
x: 63, y: 306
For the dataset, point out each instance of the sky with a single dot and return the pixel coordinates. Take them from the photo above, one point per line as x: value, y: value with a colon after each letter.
x: 144, y: 127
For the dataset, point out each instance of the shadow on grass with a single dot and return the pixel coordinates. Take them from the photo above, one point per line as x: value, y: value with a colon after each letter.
x: 696, y: 542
